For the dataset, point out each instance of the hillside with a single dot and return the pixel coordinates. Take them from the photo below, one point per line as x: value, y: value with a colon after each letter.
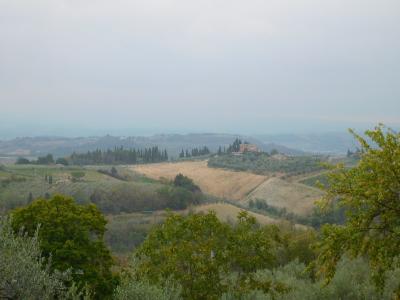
x: 228, y: 213
x: 294, y: 197
x: 218, y: 182
x: 263, y: 163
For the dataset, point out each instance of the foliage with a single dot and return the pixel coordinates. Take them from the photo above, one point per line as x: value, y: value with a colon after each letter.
x: 73, y: 236
x: 370, y: 194
x: 119, y: 156
x: 141, y: 290
x: 332, y: 213
x: 200, y: 254
x: 22, y: 161
x: 194, y: 152
x: 62, y: 161
x: 351, y: 281
x: 77, y: 175
x: 45, y: 160
x: 13, y: 178
x: 316, y: 181
x: 186, y: 183
x: 179, y: 198
x: 263, y: 163
x: 42, y: 160
x: 24, y: 273
x: 113, y: 172
x: 235, y: 147
x: 123, y: 235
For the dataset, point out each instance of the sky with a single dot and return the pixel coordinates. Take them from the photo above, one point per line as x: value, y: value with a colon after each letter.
x: 72, y: 67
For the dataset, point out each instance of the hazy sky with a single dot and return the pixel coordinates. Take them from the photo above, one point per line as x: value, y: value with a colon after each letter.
x: 78, y: 67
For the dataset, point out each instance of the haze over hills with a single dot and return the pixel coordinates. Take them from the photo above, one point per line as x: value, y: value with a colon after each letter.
x: 173, y: 143
x: 292, y: 144
x: 329, y: 142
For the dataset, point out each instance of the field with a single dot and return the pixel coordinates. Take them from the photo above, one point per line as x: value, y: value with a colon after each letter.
x: 263, y: 163
x: 228, y: 213
x: 221, y: 183
x: 19, y: 184
x: 294, y: 197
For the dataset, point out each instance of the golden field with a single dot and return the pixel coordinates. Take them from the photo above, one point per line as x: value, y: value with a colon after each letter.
x: 294, y: 197
x: 218, y: 182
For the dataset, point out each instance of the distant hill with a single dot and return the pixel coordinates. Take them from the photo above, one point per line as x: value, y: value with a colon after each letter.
x: 325, y: 143
x: 62, y: 146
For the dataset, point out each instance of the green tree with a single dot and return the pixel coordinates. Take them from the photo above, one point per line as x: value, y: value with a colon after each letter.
x: 207, y: 257
x: 369, y: 193
x: 72, y: 235
x: 188, y: 249
x: 141, y: 290
x: 274, y: 152
x: 24, y: 273
x: 250, y: 248
x: 77, y: 175
x: 185, y: 182
x: 62, y: 161
x: 45, y: 160
x: 22, y: 161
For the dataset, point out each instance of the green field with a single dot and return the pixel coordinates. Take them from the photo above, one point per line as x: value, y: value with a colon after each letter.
x: 131, y: 202
x: 263, y: 163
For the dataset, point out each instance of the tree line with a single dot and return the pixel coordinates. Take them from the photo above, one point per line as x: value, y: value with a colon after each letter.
x: 118, y: 155
x: 194, y: 152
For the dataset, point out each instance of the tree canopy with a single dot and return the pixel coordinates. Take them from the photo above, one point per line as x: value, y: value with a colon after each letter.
x: 370, y: 194
x: 72, y: 235
x: 206, y: 257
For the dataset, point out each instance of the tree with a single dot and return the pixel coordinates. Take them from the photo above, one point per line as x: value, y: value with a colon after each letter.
x: 50, y: 179
x: 207, y: 257
x: 142, y: 290
x: 22, y: 161
x: 24, y: 273
x: 274, y: 152
x: 369, y: 193
x: 219, y: 150
x: 114, y: 172
x: 45, y: 160
x: 72, y: 235
x: 188, y: 250
x: 251, y: 249
x: 62, y: 161
x: 185, y: 182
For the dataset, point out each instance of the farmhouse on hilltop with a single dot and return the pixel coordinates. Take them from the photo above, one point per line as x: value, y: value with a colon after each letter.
x: 248, y: 148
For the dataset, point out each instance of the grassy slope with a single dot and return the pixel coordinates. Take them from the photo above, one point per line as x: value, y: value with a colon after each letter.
x: 228, y: 213
x: 16, y: 193
x: 221, y: 183
x: 294, y: 197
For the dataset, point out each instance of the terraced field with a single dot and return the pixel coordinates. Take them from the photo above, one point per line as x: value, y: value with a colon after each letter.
x: 218, y: 182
